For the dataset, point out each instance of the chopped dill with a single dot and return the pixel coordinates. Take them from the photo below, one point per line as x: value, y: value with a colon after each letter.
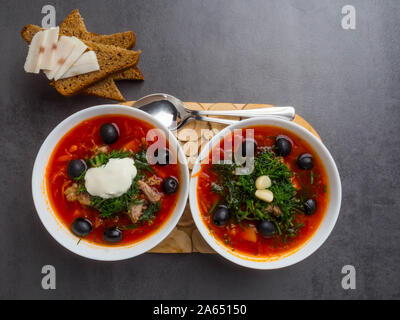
x: 108, y: 207
x: 102, y: 158
x: 237, y: 193
x: 150, y: 213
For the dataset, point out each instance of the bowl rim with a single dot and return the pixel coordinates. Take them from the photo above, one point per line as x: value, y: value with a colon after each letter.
x: 51, y: 221
x: 301, y: 253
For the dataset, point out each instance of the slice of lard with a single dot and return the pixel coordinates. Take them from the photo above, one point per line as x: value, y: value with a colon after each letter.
x: 64, y: 48
x: 35, y: 53
x: 85, y: 64
x: 78, y: 50
x: 48, y: 60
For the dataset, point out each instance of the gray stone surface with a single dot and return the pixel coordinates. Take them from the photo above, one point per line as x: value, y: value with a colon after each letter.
x: 346, y: 83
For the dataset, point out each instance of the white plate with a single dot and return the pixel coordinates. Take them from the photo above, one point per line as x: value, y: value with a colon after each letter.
x: 62, y: 233
x: 318, y: 237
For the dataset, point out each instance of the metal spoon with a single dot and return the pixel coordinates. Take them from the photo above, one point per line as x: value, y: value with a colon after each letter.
x: 172, y: 112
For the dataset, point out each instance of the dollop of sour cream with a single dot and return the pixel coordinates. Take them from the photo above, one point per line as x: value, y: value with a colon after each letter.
x: 112, y: 179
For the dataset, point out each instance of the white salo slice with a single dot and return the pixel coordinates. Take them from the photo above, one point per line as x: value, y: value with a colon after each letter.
x: 85, y: 64
x: 35, y: 53
x: 78, y: 50
x: 64, y: 48
x: 48, y: 60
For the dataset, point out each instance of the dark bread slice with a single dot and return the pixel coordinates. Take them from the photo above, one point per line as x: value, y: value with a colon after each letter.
x: 73, y: 25
x: 132, y: 73
x: 111, y: 59
x: 108, y: 89
x: 105, y: 89
x: 29, y: 31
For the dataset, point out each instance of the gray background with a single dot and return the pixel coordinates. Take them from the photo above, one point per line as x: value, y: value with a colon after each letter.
x: 346, y: 83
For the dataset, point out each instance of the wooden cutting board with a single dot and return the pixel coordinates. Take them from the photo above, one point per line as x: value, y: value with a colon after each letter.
x: 185, y: 238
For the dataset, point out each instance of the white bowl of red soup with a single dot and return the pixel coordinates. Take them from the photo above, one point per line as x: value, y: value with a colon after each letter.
x: 265, y: 193
x: 110, y: 182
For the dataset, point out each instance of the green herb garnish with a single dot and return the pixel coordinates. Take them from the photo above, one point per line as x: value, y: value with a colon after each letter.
x: 108, y: 207
x: 150, y: 213
x: 102, y: 158
x: 141, y: 161
x: 237, y: 192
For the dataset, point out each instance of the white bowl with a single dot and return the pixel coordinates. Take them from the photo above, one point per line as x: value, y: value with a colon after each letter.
x: 60, y: 232
x: 320, y: 235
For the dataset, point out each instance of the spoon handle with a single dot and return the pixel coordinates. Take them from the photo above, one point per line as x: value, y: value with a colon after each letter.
x: 226, y: 121
x: 217, y: 120
x: 284, y: 112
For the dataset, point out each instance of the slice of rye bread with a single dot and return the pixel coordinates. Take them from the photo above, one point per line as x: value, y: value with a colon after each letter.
x: 110, y: 90
x: 133, y: 73
x: 105, y: 88
x: 111, y: 59
x: 73, y: 25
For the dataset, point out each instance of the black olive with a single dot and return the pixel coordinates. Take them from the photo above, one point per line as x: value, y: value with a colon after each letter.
x: 170, y: 185
x: 81, y: 227
x: 162, y: 156
x: 266, y: 228
x: 76, y: 168
x: 109, y: 133
x: 249, y: 147
x: 221, y: 215
x: 305, y: 161
x: 283, y: 146
x: 112, y: 235
x: 310, y: 206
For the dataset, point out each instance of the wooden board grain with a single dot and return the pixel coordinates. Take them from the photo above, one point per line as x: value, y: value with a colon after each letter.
x: 172, y: 244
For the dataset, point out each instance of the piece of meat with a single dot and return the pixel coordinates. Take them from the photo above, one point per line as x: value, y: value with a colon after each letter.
x: 152, y: 194
x: 274, y: 209
x: 71, y: 192
x: 101, y: 149
x: 84, y: 199
x: 136, y: 211
x: 154, y: 181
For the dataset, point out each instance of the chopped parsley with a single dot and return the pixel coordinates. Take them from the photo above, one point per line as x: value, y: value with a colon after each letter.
x: 238, y: 193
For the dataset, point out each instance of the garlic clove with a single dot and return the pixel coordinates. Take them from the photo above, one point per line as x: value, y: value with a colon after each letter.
x: 263, y: 182
x: 265, y: 195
